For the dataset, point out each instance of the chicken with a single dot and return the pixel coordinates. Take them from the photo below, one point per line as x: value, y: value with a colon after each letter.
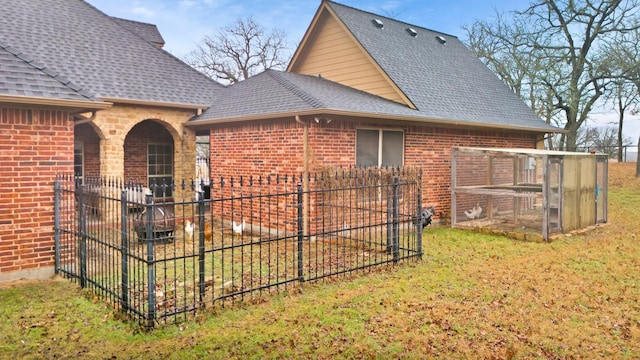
x: 188, y: 230
x: 238, y: 228
x: 208, y: 231
x: 474, y: 213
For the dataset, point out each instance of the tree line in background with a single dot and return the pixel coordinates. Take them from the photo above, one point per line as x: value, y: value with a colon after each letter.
x: 565, y: 58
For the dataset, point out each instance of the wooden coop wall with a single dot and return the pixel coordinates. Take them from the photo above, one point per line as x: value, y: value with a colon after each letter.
x: 527, y: 194
x: 579, y: 190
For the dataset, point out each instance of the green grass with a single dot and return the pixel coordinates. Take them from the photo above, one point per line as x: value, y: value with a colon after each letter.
x: 472, y: 296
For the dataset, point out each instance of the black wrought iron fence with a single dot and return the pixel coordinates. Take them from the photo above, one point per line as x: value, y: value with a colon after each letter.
x: 162, y: 258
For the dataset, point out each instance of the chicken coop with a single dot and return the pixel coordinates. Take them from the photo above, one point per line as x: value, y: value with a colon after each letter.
x: 527, y: 193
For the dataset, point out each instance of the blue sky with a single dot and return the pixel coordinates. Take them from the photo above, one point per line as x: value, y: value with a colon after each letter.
x: 183, y: 23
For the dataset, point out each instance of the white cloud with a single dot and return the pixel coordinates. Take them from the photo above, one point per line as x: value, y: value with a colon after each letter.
x: 143, y: 11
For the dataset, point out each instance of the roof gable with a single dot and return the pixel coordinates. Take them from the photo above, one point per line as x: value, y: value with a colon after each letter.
x: 78, y: 41
x: 331, y: 51
x: 436, y: 72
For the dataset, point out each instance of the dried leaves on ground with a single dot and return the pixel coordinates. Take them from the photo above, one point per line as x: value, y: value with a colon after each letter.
x: 472, y: 296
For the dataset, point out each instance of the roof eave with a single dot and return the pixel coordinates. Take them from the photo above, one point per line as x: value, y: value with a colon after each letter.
x: 156, y: 103
x: 425, y: 120
x: 79, y: 106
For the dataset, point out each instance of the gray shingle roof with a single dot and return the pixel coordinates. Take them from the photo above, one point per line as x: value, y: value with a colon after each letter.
x: 22, y: 76
x: 276, y: 92
x: 444, y: 81
x: 148, y: 32
x: 78, y: 41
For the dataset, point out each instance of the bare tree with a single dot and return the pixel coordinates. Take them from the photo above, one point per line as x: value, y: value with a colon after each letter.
x: 502, y: 45
x: 625, y: 98
x: 602, y: 139
x: 563, y: 39
x: 240, y: 51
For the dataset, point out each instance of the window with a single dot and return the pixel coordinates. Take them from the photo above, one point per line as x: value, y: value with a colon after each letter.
x: 160, y: 168
x: 379, y: 147
x: 78, y: 160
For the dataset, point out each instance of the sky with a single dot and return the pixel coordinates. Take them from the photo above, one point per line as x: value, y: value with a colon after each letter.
x: 184, y: 23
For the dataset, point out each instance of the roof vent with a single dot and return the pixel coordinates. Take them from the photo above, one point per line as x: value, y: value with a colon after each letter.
x: 441, y: 40
x: 377, y: 23
x: 412, y: 32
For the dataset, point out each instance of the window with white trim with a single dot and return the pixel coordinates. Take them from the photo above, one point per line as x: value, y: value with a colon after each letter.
x: 377, y: 147
x: 160, y: 167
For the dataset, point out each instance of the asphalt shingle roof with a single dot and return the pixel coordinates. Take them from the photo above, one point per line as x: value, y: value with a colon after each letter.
x: 22, y: 76
x: 91, y: 49
x: 275, y: 92
x: 445, y: 81
x: 148, y: 32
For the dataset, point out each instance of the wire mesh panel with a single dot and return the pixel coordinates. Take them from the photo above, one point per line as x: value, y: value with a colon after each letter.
x: 527, y: 193
x: 500, y: 191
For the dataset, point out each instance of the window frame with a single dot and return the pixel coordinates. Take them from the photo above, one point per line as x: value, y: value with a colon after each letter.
x: 78, y: 151
x: 381, y: 144
x: 168, y: 191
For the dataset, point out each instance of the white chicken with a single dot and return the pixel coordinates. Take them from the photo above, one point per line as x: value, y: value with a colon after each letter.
x: 188, y: 230
x: 238, y: 228
x: 474, y: 213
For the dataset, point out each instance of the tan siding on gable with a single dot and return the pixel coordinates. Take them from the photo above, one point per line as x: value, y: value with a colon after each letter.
x: 334, y: 55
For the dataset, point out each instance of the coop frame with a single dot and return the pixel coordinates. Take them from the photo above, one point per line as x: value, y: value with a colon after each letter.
x: 566, y: 191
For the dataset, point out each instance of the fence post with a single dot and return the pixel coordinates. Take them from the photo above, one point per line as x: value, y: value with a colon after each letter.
x: 389, y: 222
x: 300, y: 233
x: 419, y: 221
x: 83, y: 236
x: 201, y: 225
x: 56, y: 223
x: 396, y: 228
x: 125, y: 252
x: 151, y: 266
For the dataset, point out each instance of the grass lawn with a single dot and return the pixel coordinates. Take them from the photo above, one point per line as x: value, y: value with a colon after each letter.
x: 472, y: 296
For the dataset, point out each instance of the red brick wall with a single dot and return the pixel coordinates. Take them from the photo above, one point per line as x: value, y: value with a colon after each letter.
x: 35, y: 145
x: 277, y: 147
x: 257, y: 149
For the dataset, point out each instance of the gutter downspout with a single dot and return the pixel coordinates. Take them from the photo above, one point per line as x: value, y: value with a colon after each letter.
x: 305, y: 177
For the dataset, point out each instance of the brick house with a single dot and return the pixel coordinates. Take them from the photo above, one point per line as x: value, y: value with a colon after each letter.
x: 366, y: 90
x: 83, y: 92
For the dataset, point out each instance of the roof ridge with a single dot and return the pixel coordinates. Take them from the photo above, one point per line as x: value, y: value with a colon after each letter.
x: 42, y: 68
x: 133, y: 21
x: 389, y: 18
x: 174, y: 58
x: 308, y: 98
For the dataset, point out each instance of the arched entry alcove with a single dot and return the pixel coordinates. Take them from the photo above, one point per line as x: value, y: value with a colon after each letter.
x: 86, y: 150
x: 149, y: 155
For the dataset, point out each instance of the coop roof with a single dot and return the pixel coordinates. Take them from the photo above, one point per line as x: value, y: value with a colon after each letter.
x: 517, y: 151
